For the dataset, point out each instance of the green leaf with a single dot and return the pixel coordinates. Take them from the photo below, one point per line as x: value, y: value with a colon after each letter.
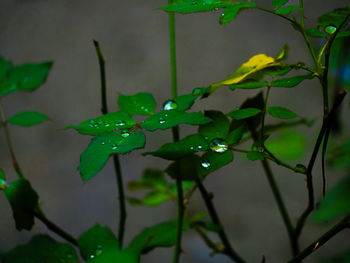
x: 169, y: 118
x: 243, y: 113
x: 334, y: 18
x: 281, y: 113
x: 282, y: 54
x: 278, y: 3
x: 192, y: 6
x: 218, y: 128
x: 94, y: 158
x: 105, y: 123
x: 41, y: 248
x: 92, y: 239
x: 23, y: 200
x: 160, y: 235
x: 152, y: 179
x: 26, y: 77
x: 232, y: 11
x: 290, y: 145
x: 141, y: 103
x: 185, y: 168
x: 336, y: 203
x: 212, y: 161
x: 290, y: 82
x: 185, y: 102
x: 5, y: 66
x: 99, y: 245
x: 249, y: 84
x: 287, y: 10
x: 155, y: 198
x: 3, y: 183
x: 277, y: 71
x: 255, y: 156
x: 237, y: 129
x: 339, y: 155
x: 28, y: 118
x: 190, y: 144
x: 314, y: 32
x: 343, y: 34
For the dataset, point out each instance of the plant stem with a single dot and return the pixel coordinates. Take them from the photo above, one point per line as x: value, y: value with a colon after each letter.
x: 228, y: 250
x: 281, y: 207
x: 54, y: 228
x: 321, y: 240
x: 15, y: 163
x: 278, y: 198
x: 327, y: 122
x: 176, y: 136
x: 117, y: 166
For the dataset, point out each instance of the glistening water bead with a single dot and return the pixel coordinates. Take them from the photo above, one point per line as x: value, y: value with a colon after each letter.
x: 330, y: 29
x: 170, y: 105
x: 205, y: 164
x: 218, y: 145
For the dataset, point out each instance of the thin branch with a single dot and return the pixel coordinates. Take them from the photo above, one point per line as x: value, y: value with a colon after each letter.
x: 15, y: 163
x: 327, y: 122
x: 117, y: 167
x: 321, y: 240
x: 54, y: 228
x: 228, y: 250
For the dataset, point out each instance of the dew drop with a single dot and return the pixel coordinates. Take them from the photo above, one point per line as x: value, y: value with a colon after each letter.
x: 114, y: 146
x: 91, y: 125
x: 170, y: 105
x: 196, y: 91
x: 92, y: 256
x: 125, y: 134
x: 107, y: 124
x: 330, y: 29
x: 205, y: 164
x: 191, y: 148
x: 120, y: 123
x: 218, y: 145
x: 103, y: 143
x: 161, y: 120
x: 199, y: 147
x: 98, y: 251
x: 261, y: 149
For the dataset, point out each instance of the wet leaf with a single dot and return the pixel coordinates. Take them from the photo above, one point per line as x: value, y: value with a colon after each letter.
x: 287, y: 10
x: 102, y: 146
x: 141, y: 103
x: 218, y: 128
x: 212, y: 161
x: 192, y: 6
x: 314, y: 32
x: 41, y: 248
x: 152, y: 179
x: 255, y: 156
x: 185, y: 168
x: 249, y: 84
x: 232, y: 11
x: 190, y: 144
x: 105, y: 123
x: 169, y: 118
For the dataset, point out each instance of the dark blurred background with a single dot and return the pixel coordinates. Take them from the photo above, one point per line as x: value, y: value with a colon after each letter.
x: 134, y: 39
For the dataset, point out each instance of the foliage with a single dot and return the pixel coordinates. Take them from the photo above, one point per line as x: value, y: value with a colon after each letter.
x: 219, y: 137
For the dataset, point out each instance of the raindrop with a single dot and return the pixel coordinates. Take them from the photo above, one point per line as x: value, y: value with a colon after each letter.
x: 330, y: 29
x: 218, y: 145
x: 161, y: 120
x: 191, y: 148
x: 196, y: 91
x: 170, y: 105
x: 92, y: 256
x: 199, y: 147
x: 205, y: 164
x: 107, y: 124
x: 98, y: 251
x: 125, y: 134
x: 114, y: 146
x: 120, y: 123
x: 103, y: 143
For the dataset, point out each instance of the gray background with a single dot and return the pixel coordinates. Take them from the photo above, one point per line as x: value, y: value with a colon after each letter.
x: 134, y: 39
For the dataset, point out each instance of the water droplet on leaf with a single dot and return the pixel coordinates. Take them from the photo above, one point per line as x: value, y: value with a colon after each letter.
x: 125, y: 134
x: 98, y: 251
x: 120, y: 123
x: 330, y: 29
x: 218, y: 145
x: 114, y: 146
x: 170, y: 105
x: 161, y: 120
x: 205, y: 164
x: 107, y: 124
x: 103, y: 143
